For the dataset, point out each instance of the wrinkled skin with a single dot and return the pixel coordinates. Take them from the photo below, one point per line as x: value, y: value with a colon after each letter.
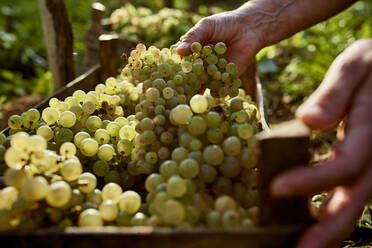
x: 345, y: 94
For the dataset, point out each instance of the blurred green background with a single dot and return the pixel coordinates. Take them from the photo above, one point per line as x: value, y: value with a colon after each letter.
x: 290, y: 70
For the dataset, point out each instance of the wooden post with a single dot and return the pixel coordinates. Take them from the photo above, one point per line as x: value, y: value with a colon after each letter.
x: 95, y: 30
x: 59, y: 40
x: 283, y: 148
x: 109, y: 55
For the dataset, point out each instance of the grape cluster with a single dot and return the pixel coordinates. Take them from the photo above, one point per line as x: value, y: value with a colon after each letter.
x: 161, y: 29
x: 146, y: 148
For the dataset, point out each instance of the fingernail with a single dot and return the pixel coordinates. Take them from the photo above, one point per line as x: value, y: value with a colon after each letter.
x: 183, y: 45
x: 311, y: 110
x: 281, y: 188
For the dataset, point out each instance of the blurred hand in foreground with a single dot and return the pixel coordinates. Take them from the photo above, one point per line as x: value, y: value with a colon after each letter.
x: 345, y: 94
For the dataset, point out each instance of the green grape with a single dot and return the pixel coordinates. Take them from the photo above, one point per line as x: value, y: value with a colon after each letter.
x: 151, y: 157
x: 130, y: 201
x: 88, y: 108
x: 127, y: 132
x: 63, y: 135
x: 111, y: 191
x: 166, y: 138
x: 212, y: 70
x: 88, y: 147
x: 46, y: 132
x: 230, y: 218
x: 36, y: 143
x: 230, y: 167
x: 215, y: 135
x: 220, y: 48
x: 168, y: 168
x: 34, y: 189
x: 106, y: 152
x: 213, y: 119
x: 250, y: 177
x: 139, y: 219
x: 211, y: 59
x: 79, y: 137
x: 50, y: 115
x: 224, y: 203
x: 90, y: 218
x: 206, y: 50
x: 152, y: 94
x: 179, y: 154
x: 207, y: 173
x: 176, y: 186
x: 236, y: 104
x: 2, y: 138
x: 93, y: 123
x: 147, y: 124
x: 87, y: 182
x: 62, y: 106
x: 33, y: 115
x: 20, y: 141
x: 147, y: 137
x: 231, y: 68
x: 186, y: 66
x: 112, y: 177
x: 71, y: 169
x: 123, y: 219
x: 58, y: 194
x: 222, y: 185
x: 245, y: 131
x: 71, y: 101
x: 248, y: 158
x: 198, y: 68
x: 178, y: 79
x: 196, y: 47
x: 104, y: 124
x: 159, y: 120
x: 102, y: 136
x: 108, y: 210
x: 189, y: 168
x: 213, y: 155
x: 232, y: 146
x: 101, y: 168
x: 95, y: 196
x: 213, y: 219
x: 124, y: 147
x: 173, y: 212
x: 67, y: 149
x: 163, y: 153
x: 168, y: 93
x: 153, y: 181
x: 113, y: 128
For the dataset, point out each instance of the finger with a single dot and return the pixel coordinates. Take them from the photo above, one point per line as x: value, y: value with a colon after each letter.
x: 200, y: 33
x: 341, y: 214
x: 350, y: 155
x: 328, y: 103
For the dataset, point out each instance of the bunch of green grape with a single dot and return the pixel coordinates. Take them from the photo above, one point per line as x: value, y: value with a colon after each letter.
x: 149, y: 148
x: 161, y: 29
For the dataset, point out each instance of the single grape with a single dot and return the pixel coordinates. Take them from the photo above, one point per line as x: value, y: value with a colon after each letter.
x: 176, y: 186
x: 88, y: 147
x: 67, y: 119
x: 108, y: 210
x: 67, y: 149
x: 87, y: 182
x: 59, y: 194
x: 130, y: 201
x: 90, y: 218
x: 189, y: 168
x: 34, y: 189
x: 71, y: 169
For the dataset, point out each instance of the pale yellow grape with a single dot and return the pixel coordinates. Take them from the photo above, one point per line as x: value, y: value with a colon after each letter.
x: 93, y: 123
x: 176, y: 186
x: 15, y: 158
x: 199, y: 104
x: 181, y: 114
x: 113, y: 128
x: 79, y: 137
x: 173, y: 212
x: 130, y: 201
x: 232, y: 146
x: 8, y: 196
x: 15, y: 177
x: 108, y: 210
x: 127, y: 132
x: 71, y: 101
x: 36, y: 143
x: 90, y: 218
x: 67, y: 119
x: 88, y: 147
x: 88, y: 108
x: 50, y: 115
x: 59, y: 194
x: 53, y: 102
x: 224, y: 203
x: 33, y: 115
x: 245, y: 131
x: 20, y: 141
x: 124, y: 147
x: 213, y: 155
x: 67, y: 149
x: 71, y: 169
x: 111, y: 191
x: 122, y: 121
x: 105, y: 152
x: 15, y: 122
x: 87, y: 182
x: 34, y: 189
x: 79, y: 94
x: 46, y: 132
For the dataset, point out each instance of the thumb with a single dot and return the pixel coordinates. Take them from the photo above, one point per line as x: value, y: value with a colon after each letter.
x: 200, y: 33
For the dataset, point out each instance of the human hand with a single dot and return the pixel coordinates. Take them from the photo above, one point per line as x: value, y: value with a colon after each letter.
x: 345, y: 93
x: 242, y: 41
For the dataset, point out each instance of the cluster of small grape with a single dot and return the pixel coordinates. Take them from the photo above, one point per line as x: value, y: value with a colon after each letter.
x: 182, y: 159
x: 161, y: 29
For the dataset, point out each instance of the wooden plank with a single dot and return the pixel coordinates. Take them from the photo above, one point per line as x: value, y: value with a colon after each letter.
x: 59, y: 40
x: 144, y: 237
